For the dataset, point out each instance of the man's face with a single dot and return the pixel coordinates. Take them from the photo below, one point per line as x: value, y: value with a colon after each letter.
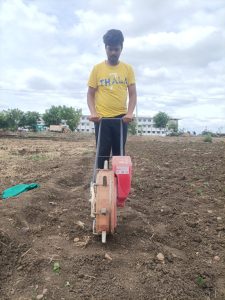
x: 113, y: 53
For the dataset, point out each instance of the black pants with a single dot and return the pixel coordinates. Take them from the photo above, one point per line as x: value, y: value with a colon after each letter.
x: 110, y: 138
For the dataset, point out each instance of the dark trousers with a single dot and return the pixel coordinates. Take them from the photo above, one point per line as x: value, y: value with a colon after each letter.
x: 110, y: 138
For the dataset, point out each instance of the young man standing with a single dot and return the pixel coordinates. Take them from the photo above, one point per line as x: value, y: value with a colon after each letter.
x: 109, y: 83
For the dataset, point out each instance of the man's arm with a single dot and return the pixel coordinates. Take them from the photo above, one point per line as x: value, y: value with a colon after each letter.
x: 132, y: 103
x: 91, y: 104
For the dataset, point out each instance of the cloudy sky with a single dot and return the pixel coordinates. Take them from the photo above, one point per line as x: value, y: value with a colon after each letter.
x: 177, y: 49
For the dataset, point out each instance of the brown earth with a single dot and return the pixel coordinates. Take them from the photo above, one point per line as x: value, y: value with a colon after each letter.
x: 176, y: 207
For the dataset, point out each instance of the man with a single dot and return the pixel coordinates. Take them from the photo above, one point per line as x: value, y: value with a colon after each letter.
x: 108, y: 85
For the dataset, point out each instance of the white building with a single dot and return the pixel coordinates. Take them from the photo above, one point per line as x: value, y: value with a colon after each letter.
x: 85, y: 125
x: 145, y: 126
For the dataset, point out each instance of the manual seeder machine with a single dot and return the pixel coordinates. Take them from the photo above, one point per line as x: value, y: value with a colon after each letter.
x: 109, y: 188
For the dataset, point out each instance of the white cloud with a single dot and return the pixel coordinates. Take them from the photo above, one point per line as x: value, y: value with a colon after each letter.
x: 89, y: 24
x: 18, y: 15
x: 181, y: 40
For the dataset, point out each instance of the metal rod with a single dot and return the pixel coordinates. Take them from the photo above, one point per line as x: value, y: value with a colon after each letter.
x: 121, y: 138
x: 97, y: 152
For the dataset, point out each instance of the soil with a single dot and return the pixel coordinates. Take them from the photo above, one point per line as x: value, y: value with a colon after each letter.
x: 176, y: 207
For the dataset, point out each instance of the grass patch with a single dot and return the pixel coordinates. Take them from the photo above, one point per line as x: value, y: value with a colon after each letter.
x: 38, y: 157
x: 208, y: 138
x: 200, y: 281
x: 199, y: 192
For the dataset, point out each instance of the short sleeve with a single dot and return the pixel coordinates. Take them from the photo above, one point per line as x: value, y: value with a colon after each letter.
x: 92, y: 82
x: 131, y: 76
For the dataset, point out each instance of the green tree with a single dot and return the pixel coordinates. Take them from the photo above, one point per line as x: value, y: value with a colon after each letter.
x: 14, y: 118
x: 3, y: 120
x: 173, y: 126
x: 31, y: 118
x: 132, y: 127
x: 52, y: 116
x: 160, y: 120
x: 56, y: 114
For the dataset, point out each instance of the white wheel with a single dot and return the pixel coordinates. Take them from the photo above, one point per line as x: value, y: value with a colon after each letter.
x: 106, y: 164
x: 103, y: 237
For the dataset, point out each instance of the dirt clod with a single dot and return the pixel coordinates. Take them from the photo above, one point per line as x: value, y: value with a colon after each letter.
x: 160, y: 257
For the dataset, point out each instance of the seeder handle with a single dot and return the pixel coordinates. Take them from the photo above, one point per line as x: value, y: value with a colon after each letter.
x: 99, y: 140
x: 121, y: 138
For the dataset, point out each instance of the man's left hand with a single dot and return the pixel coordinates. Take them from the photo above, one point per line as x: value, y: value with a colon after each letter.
x: 128, y: 118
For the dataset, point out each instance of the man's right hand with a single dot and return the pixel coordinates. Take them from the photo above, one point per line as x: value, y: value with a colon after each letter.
x: 94, y: 118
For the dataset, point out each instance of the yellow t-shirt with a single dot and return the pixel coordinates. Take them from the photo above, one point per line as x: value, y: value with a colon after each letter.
x: 111, y: 84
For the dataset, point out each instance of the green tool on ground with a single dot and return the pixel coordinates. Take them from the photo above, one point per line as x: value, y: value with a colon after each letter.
x: 18, y: 189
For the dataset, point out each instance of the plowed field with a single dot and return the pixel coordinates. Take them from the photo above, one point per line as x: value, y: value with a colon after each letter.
x: 176, y: 208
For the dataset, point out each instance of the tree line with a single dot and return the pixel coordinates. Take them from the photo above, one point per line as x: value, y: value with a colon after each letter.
x: 12, y: 119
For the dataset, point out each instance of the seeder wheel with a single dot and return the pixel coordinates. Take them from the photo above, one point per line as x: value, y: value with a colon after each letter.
x: 105, y: 203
